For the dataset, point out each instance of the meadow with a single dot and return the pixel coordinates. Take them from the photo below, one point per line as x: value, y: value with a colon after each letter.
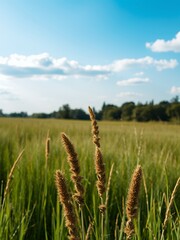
x: 31, y: 209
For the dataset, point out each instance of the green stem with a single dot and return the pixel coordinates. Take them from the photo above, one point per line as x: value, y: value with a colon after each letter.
x: 82, y: 224
x: 102, y: 222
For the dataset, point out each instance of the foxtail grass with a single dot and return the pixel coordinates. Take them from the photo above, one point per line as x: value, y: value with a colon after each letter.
x: 65, y: 200
x: 47, y: 148
x: 99, y: 163
x: 74, y: 168
x: 99, y: 167
x: 75, y: 176
x: 95, y: 128
x: 132, y: 201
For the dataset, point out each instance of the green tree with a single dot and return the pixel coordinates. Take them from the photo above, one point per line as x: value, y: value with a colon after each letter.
x: 111, y: 112
x: 79, y: 114
x: 175, y: 99
x: 64, y: 111
x: 127, y: 111
x: 174, y: 111
x: 1, y: 113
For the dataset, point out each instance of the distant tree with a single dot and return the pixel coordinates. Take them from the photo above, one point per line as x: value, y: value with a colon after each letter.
x: 174, y: 111
x: 79, y: 114
x: 54, y: 114
x: 18, y: 115
x: 1, y: 113
x: 164, y: 103
x: 64, y: 111
x: 40, y: 115
x: 144, y: 113
x: 140, y: 113
x: 127, y: 111
x: 175, y: 99
x: 151, y: 112
x: 111, y: 112
x: 159, y: 113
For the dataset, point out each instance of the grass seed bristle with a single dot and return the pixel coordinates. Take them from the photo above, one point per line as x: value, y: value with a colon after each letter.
x: 74, y: 168
x: 65, y: 200
x: 132, y: 200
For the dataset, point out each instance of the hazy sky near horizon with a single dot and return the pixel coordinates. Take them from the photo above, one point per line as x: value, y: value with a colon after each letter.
x: 85, y: 53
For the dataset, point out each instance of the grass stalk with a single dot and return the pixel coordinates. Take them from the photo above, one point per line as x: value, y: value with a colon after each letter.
x: 47, y: 149
x: 108, y: 185
x: 167, y: 214
x: 132, y: 201
x: 89, y: 231
x: 82, y: 224
x: 65, y: 200
x: 10, y: 177
x: 74, y: 168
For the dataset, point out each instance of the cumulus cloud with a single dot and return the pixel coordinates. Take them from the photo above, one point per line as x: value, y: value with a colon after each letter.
x: 44, y: 66
x: 175, y: 90
x: 161, y: 64
x: 138, y: 74
x: 160, y: 45
x: 132, y: 81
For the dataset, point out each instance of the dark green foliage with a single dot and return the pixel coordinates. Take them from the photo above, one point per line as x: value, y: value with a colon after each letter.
x: 164, y: 111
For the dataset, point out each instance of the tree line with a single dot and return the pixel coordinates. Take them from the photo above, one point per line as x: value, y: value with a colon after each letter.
x: 128, y: 111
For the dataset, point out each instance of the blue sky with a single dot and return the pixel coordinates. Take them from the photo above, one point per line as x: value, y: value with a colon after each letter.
x: 85, y: 53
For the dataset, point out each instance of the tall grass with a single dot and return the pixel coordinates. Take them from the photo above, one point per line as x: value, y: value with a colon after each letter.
x: 32, y: 211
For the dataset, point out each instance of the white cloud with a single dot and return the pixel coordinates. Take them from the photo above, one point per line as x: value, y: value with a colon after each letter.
x: 44, y: 67
x: 161, y: 64
x: 175, y: 90
x: 132, y: 81
x: 128, y: 95
x: 139, y: 74
x: 160, y: 45
x: 165, y: 64
x: 122, y: 64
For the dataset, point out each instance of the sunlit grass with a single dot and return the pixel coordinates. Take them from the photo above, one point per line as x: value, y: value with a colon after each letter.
x: 31, y: 209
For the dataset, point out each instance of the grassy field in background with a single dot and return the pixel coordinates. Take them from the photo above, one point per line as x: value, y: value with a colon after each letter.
x: 31, y: 210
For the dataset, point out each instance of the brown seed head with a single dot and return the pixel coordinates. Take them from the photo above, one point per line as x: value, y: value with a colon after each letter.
x: 74, y: 168
x: 100, y: 172
x: 132, y: 198
x: 95, y: 128
x: 61, y: 187
x: 65, y: 200
x: 102, y: 208
x: 129, y: 229
x: 72, y: 155
x: 47, y: 149
x: 132, y: 201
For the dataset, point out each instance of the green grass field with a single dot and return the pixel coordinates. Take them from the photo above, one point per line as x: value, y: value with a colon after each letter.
x: 31, y: 210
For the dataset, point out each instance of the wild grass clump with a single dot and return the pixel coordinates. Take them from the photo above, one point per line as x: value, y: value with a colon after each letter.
x: 98, y: 167
x: 131, y: 227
